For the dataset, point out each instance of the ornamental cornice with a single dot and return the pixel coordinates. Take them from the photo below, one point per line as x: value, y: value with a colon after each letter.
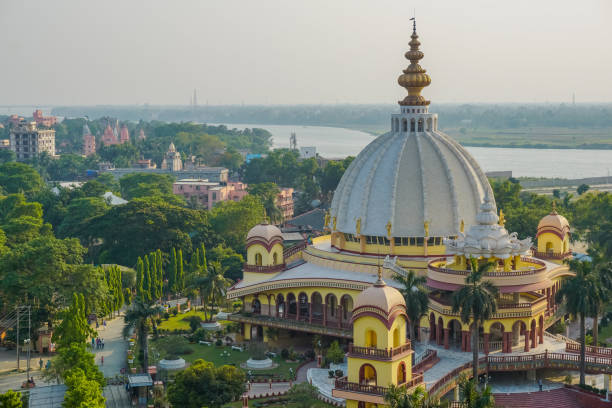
x: 297, y: 283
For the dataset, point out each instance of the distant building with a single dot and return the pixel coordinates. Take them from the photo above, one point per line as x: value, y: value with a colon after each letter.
x: 27, y: 141
x: 284, y: 201
x: 15, y: 119
x: 44, y: 121
x: 89, y: 141
x: 172, y: 160
x: 141, y: 135
x: 5, y: 143
x: 124, y: 135
x: 145, y: 164
x: 308, y: 152
x: 208, y: 193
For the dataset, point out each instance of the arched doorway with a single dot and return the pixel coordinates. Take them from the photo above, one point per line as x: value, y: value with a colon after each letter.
x: 257, y: 333
x: 367, y: 375
x: 291, y: 306
x: 519, y: 328
x: 497, y: 332
x: 454, y: 334
x: 440, y: 330
x: 401, y: 373
x: 331, y: 303
x: 347, y: 307
x: 303, y: 305
x: 533, y: 334
x: 396, y: 337
x: 432, y: 327
x: 317, y: 307
x: 370, y: 338
x: 275, y: 258
x: 280, y: 305
x: 256, y: 306
x: 258, y: 259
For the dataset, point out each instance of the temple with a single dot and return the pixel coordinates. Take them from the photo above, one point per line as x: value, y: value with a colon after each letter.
x: 413, y: 200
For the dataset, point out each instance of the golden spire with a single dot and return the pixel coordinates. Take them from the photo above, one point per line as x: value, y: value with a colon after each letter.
x: 554, y: 208
x: 414, y: 78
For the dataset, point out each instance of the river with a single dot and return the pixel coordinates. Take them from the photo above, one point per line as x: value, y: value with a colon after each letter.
x: 334, y: 142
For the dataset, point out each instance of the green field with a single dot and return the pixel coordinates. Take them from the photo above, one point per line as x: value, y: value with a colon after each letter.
x: 238, y: 404
x: 177, y: 322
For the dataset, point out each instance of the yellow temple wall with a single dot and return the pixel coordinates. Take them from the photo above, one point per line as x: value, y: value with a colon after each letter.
x: 386, y: 371
x: 384, y: 336
x: 267, y: 258
x: 548, y: 240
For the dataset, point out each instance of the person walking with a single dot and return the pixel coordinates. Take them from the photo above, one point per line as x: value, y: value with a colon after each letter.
x: 40, y: 363
x: 540, y: 384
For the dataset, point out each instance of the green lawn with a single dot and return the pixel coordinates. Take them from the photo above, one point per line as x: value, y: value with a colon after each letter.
x: 217, y: 356
x: 238, y: 404
x: 177, y: 322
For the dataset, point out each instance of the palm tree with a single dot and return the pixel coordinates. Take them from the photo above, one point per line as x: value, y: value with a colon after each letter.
x: 138, y: 317
x: 603, y: 269
x: 472, y: 398
x: 212, y: 286
x: 398, y: 397
x: 581, y: 294
x: 476, y: 302
x: 416, y: 296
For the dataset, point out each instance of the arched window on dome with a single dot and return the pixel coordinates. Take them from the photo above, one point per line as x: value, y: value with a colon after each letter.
x: 404, y: 125
x: 549, y: 247
x: 370, y: 339
x: 420, y: 127
x: 367, y: 375
x: 275, y: 259
x: 412, y: 125
x: 258, y: 259
x: 429, y: 124
x: 396, y: 337
x: 401, y: 373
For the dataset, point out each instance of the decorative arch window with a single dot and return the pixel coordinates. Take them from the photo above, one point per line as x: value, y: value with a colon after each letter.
x: 370, y: 338
x: 258, y: 259
x: 412, y: 125
x: 396, y: 337
x: 275, y: 259
x: 401, y: 373
x: 367, y: 375
x: 549, y: 246
x: 256, y: 306
x: 404, y: 125
x: 420, y: 125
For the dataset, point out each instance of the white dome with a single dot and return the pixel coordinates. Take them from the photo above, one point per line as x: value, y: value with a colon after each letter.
x: 265, y: 231
x: 407, y: 178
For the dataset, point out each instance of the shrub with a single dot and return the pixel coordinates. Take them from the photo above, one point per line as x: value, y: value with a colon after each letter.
x: 330, y: 373
x: 174, y: 311
x: 194, y: 322
x: 200, y: 334
x: 334, y: 353
x: 310, y: 355
x: 338, y: 373
x: 172, y: 346
x: 219, y: 343
x: 166, y: 315
x: 257, y: 350
x: 285, y: 354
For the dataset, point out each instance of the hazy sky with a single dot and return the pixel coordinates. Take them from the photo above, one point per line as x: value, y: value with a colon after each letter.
x: 310, y: 51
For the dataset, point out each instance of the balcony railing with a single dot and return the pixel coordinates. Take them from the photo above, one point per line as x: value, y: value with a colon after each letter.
x: 264, y: 269
x: 344, y: 385
x: 380, y: 354
x: 532, y: 270
x: 592, y: 350
x: 552, y: 255
x: 294, y: 249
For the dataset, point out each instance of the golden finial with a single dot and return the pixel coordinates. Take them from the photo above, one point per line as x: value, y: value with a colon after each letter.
x: 414, y: 78
x: 358, y: 226
x: 426, y: 228
x: 380, y: 281
x: 462, y: 226
x: 327, y: 216
x: 388, y: 226
x: 502, y: 219
x: 334, y: 223
x: 554, y: 207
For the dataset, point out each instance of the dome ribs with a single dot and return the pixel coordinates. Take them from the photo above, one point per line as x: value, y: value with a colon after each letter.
x: 423, y: 181
x: 449, y: 176
x: 396, y: 177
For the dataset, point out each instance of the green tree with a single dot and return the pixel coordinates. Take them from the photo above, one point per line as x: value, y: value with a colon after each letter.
x: 304, y: 395
x: 603, y: 272
x: 231, y: 261
x: 268, y: 195
x: 82, y: 392
x: 70, y: 357
x: 10, y: 399
x: 7, y: 155
x: 179, y: 273
x: 140, y: 316
x: 334, y: 353
x: 171, y: 272
x: 583, y: 188
x: 19, y: 178
x: 416, y: 296
x: 476, y: 302
x: 212, y: 286
x: 138, y: 185
x: 471, y: 397
x: 73, y: 327
x: 581, y: 294
x: 202, y: 384
x: 233, y: 220
x: 398, y: 397
x: 78, y: 215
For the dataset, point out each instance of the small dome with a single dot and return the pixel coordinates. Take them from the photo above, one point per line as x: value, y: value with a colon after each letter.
x: 554, y: 222
x: 381, y: 296
x: 266, y: 231
x: 171, y: 148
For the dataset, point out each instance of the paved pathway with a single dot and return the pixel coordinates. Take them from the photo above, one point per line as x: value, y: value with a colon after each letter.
x: 115, y: 348
x: 258, y: 389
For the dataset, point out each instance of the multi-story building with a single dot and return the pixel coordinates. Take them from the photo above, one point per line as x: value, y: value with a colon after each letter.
x: 284, y: 201
x: 27, y: 141
x: 44, y: 121
x: 208, y: 193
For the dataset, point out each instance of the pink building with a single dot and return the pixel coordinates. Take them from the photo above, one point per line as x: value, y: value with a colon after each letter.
x: 109, y: 137
x: 124, y: 135
x: 209, y: 193
x: 89, y: 141
x: 46, y: 121
x: 284, y: 201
